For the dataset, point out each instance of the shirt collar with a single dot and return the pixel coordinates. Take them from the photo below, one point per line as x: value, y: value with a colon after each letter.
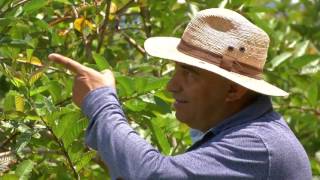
x: 261, y: 105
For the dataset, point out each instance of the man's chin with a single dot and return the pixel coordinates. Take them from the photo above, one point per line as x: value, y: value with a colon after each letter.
x: 182, y: 118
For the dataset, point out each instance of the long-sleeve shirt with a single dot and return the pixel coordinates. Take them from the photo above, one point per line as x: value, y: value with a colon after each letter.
x: 255, y: 143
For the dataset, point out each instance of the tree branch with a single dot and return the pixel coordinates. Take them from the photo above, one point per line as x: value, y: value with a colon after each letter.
x: 144, y: 12
x: 59, y: 20
x: 103, y: 26
x: 125, y: 7
x: 133, y: 43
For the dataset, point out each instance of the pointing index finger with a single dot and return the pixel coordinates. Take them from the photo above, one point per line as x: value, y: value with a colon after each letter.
x: 68, y: 63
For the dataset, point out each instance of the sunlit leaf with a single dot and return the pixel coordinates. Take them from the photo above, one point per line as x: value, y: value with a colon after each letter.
x: 301, y: 48
x: 276, y: 61
x: 81, y: 23
x: 85, y: 159
x: 33, y: 60
x: 34, y: 5
x: 38, y: 90
x: 161, y: 138
x: 24, y: 169
x: 19, y: 103
x: 113, y: 10
x: 73, y: 132
x: 312, y: 94
x: 304, y: 60
x: 35, y: 76
x: 18, y: 82
x: 100, y: 61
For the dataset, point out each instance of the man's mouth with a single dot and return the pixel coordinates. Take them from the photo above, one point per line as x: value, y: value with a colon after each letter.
x: 179, y: 102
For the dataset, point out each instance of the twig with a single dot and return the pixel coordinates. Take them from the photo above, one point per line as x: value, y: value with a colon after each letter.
x: 144, y: 12
x: 129, y: 28
x: 125, y: 7
x: 63, y: 102
x: 98, y: 160
x: 302, y: 109
x: 7, y: 141
x: 40, y: 151
x: 103, y: 26
x: 59, y: 142
x: 59, y: 20
x: 133, y: 43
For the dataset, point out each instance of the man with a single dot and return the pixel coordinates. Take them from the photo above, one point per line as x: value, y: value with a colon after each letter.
x: 217, y: 90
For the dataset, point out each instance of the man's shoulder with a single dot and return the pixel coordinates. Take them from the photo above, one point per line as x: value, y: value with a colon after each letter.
x: 271, y: 131
x: 270, y: 137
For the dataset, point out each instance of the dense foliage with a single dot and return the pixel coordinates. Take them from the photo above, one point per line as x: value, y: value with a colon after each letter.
x: 42, y: 132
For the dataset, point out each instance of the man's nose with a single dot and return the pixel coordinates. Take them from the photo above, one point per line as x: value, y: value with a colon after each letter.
x: 174, y: 85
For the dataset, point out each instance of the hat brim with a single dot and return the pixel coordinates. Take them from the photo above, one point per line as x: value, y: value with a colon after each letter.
x: 166, y: 47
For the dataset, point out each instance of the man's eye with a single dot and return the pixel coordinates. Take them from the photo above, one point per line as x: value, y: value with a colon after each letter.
x: 186, y: 72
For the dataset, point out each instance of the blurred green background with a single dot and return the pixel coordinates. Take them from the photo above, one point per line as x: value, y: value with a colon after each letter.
x: 42, y: 131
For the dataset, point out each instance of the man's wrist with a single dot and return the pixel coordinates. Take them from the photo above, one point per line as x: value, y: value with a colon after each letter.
x: 97, y: 98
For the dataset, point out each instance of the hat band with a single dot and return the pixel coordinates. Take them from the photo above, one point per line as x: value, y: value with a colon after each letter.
x: 226, y: 62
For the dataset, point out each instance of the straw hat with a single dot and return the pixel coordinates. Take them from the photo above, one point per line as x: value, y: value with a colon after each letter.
x: 223, y: 42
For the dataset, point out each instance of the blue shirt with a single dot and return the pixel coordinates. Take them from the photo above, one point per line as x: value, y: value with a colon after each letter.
x: 255, y: 143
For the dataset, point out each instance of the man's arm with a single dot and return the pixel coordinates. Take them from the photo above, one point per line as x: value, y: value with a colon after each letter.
x: 131, y: 157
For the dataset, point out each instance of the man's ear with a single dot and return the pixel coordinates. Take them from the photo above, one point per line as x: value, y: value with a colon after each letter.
x: 235, y: 92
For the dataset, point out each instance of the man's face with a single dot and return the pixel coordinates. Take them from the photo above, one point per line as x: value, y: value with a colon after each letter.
x: 199, y: 95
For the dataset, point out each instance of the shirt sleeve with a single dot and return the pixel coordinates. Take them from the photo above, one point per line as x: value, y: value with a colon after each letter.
x: 131, y: 157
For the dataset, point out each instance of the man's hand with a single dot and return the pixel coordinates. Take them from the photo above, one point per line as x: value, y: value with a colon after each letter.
x: 86, y: 79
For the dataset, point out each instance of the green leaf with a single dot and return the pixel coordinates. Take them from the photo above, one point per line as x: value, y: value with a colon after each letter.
x: 38, y: 90
x: 35, y: 76
x: 24, y: 169
x: 276, y: 61
x: 63, y: 1
x: 160, y: 137
x: 125, y: 86
x: 55, y: 90
x: 23, y: 140
x: 66, y: 123
x: 304, y: 60
x: 156, y: 83
x: 29, y: 54
x: 9, y: 102
x: 85, y: 159
x: 312, y: 94
x: 9, y: 177
x: 100, y: 61
x: 73, y: 132
x: 34, y: 5
x: 311, y: 68
x: 135, y: 105
x: 19, y: 103
x: 301, y: 48
x: 18, y: 82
